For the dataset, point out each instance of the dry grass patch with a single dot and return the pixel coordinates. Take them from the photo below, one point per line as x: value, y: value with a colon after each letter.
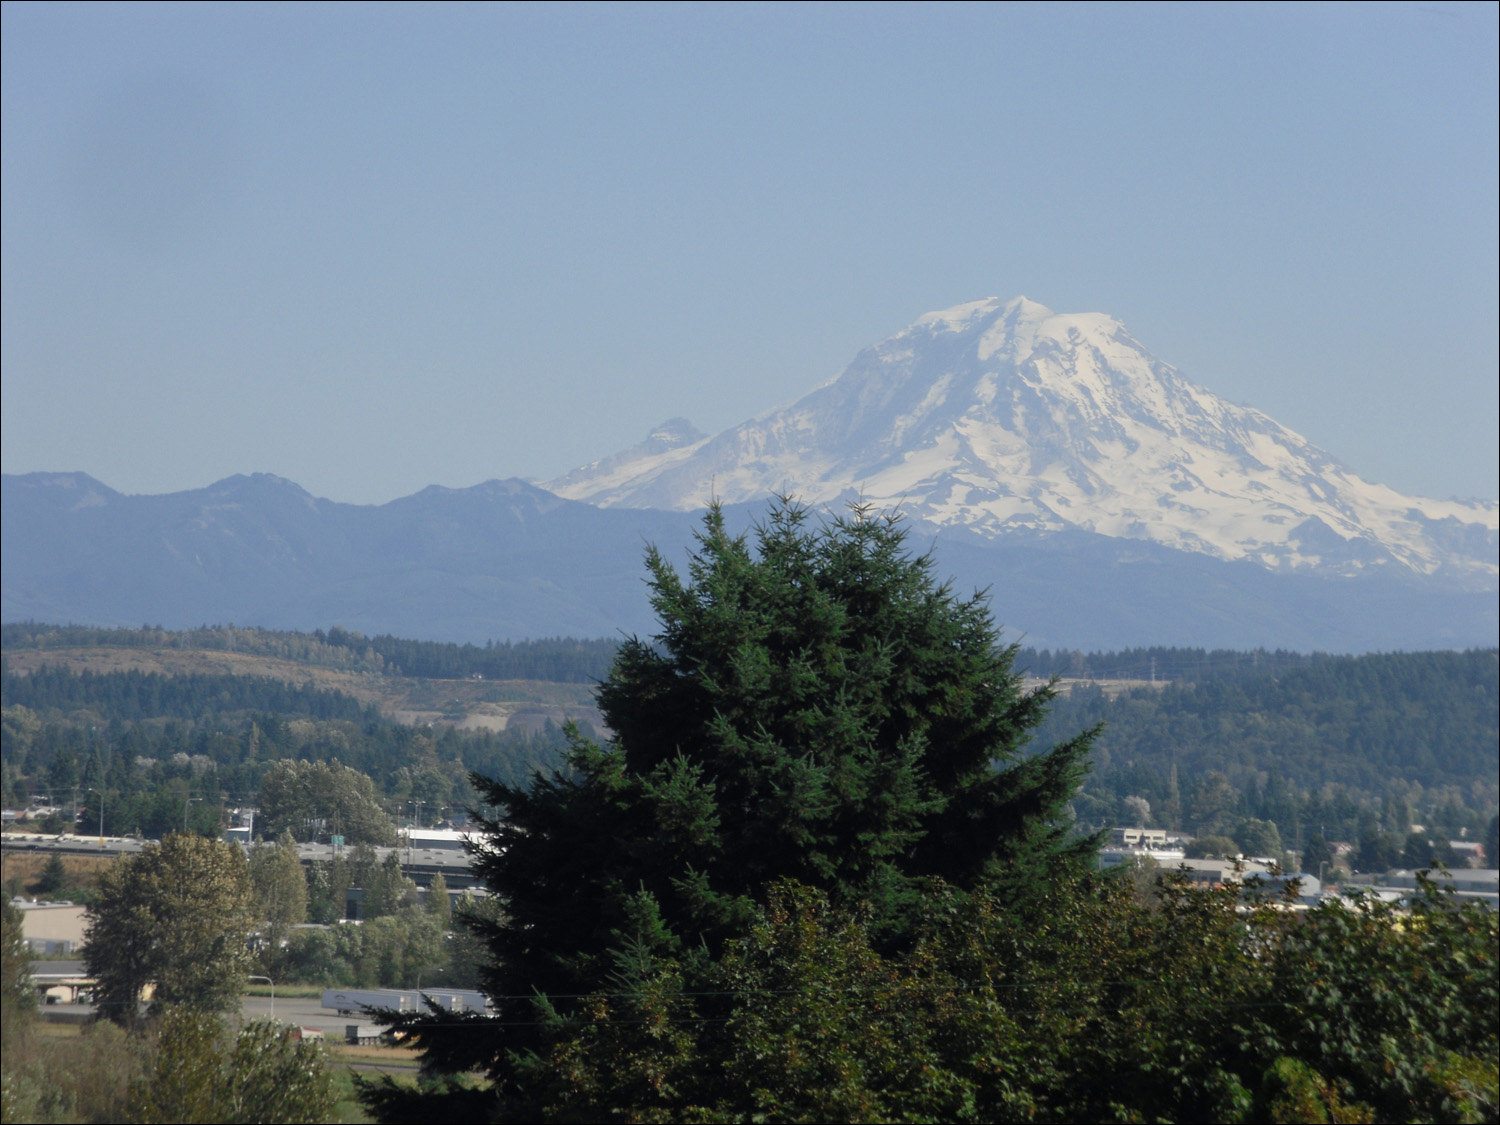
x: 83, y: 870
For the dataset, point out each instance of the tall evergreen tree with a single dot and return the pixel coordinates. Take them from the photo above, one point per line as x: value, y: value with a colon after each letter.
x: 814, y: 707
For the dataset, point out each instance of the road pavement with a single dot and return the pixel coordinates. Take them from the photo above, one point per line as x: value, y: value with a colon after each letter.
x: 305, y: 1011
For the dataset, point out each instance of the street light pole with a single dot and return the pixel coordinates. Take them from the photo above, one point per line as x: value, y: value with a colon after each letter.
x: 272, y: 983
x: 186, y: 801
x: 421, y: 996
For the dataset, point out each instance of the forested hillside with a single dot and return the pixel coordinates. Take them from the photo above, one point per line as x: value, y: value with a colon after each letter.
x: 128, y: 696
x: 560, y: 659
x: 1316, y: 745
x: 1325, y: 745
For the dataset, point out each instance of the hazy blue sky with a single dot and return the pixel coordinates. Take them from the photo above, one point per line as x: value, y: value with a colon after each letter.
x: 372, y: 249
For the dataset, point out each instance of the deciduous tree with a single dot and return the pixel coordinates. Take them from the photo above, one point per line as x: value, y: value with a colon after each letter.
x: 1193, y: 1006
x: 318, y: 799
x: 17, y: 1000
x: 280, y: 891
x: 202, y: 1073
x: 177, y: 915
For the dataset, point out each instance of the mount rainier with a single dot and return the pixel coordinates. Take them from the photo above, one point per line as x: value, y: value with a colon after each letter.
x: 1002, y: 418
x: 1103, y: 500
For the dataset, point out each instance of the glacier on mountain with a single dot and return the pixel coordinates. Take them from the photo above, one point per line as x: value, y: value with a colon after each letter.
x: 1002, y: 418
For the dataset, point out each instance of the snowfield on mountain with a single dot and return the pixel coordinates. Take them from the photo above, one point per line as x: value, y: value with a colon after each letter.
x: 1003, y: 417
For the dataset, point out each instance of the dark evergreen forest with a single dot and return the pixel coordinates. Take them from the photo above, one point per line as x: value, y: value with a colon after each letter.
x: 1316, y: 746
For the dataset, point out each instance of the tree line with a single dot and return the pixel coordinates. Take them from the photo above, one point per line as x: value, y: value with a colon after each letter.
x: 130, y: 696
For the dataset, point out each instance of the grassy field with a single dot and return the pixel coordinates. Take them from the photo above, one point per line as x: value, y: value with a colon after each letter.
x: 304, y: 991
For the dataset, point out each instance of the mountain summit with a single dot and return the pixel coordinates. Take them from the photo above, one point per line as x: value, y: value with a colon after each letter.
x: 1007, y: 419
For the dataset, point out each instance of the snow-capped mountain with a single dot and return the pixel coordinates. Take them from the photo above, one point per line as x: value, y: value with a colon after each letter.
x: 1003, y: 417
x: 1104, y: 500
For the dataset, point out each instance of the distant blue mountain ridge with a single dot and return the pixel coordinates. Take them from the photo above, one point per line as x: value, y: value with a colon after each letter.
x: 1103, y: 500
x: 508, y: 560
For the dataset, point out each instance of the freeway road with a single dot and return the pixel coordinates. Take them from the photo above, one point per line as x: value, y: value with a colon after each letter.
x: 302, y: 1010
x: 419, y: 864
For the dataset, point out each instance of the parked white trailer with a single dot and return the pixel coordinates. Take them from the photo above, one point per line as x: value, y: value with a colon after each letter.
x: 454, y: 1000
x: 358, y: 1001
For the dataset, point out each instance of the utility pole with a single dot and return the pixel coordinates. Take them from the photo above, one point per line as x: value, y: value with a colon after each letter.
x: 101, y: 813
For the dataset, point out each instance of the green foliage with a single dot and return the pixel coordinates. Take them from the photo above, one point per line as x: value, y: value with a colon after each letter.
x: 816, y: 708
x: 68, y: 1080
x: 434, y: 1099
x: 556, y: 659
x: 177, y: 915
x: 271, y: 1078
x: 1106, y: 1007
x: 17, y: 1000
x: 1163, y: 664
x: 1429, y: 717
x: 438, y: 902
x: 1314, y: 744
x: 199, y: 1073
x: 175, y: 747
x: 1292, y: 1091
x: 184, y: 1079
x: 1257, y: 837
x: 1378, y: 851
x: 131, y: 696
x: 392, y: 951
x: 1317, y: 854
x: 280, y: 889
x: 1422, y: 851
x: 53, y: 878
x: 320, y: 799
x: 475, y: 922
